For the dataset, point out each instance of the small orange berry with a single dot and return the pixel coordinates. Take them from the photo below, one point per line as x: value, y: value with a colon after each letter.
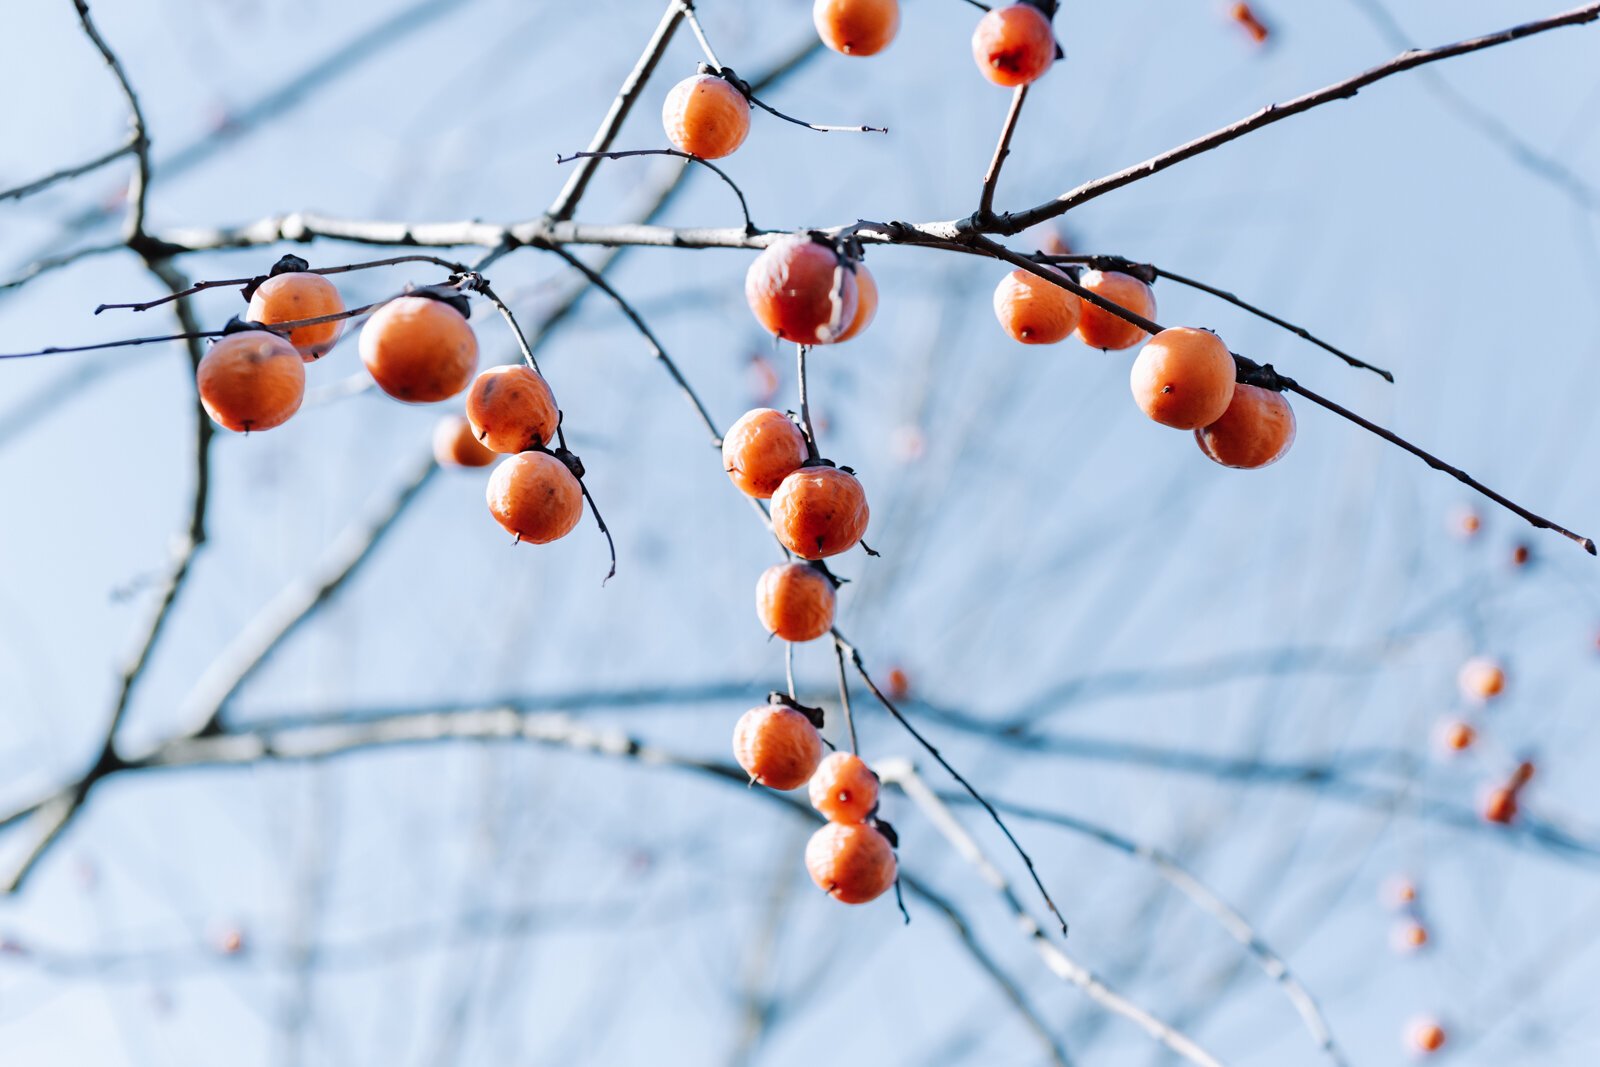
x: 1467, y: 522
x: 1481, y: 679
x: 1256, y: 430
x: 1521, y: 555
x: 1426, y: 1036
x: 1409, y: 936
x: 762, y: 449
x: 1184, y: 378
x: 844, y: 788
x: 856, y: 27
x: 1246, y: 17
x: 455, y: 445
x: 251, y: 380
x: 899, y: 684
x: 230, y: 941
x: 419, y: 350
x: 819, y: 512
x: 535, y: 496
x: 1034, y: 310
x: 1457, y: 736
x: 1521, y: 776
x: 298, y: 295
x: 851, y: 862
x: 1099, y: 328
x: 512, y: 409
x: 1014, y: 45
x: 706, y: 116
x: 801, y: 291
x: 1500, y: 805
x: 866, y: 302
x: 1399, y: 891
x: 795, y: 601
x: 777, y: 746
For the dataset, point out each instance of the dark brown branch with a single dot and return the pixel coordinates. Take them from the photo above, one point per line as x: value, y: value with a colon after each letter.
x: 39, y: 185
x: 566, y: 201
x: 744, y: 207
x: 991, y: 177
x: 139, y: 143
x: 1016, y: 222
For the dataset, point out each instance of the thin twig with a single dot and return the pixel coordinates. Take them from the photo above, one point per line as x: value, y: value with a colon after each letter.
x: 844, y: 699
x: 38, y: 185
x: 991, y: 177
x: 805, y: 402
x: 744, y: 207
x: 221, y: 283
x: 138, y: 189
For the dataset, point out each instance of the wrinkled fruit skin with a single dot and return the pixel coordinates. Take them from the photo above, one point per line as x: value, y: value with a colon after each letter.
x: 795, y: 602
x: 1014, y: 45
x: 295, y: 296
x: 1034, y: 311
x: 1184, y: 378
x: 856, y: 27
x: 419, y: 350
x: 777, y: 746
x: 1099, y: 328
x: 512, y: 409
x: 706, y: 116
x: 1256, y: 430
x: 790, y: 288
x: 762, y: 449
x: 535, y: 496
x: 819, y: 512
x: 866, y: 303
x: 251, y: 381
x: 844, y: 789
x: 851, y: 862
x: 455, y: 445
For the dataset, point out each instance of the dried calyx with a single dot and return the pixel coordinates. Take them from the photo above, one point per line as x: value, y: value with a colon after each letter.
x: 781, y: 699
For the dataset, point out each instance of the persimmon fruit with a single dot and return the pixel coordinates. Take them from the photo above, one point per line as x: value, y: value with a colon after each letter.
x: 1256, y: 430
x: 819, y: 512
x: 534, y: 496
x: 512, y: 409
x: 844, y: 789
x: 795, y: 602
x: 801, y: 291
x: 1500, y: 805
x: 455, y: 445
x: 777, y: 746
x: 1099, y: 328
x: 1458, y: 736
x: 866, y: 303
x: 1014, y: 45
x: 1481, y: 679
x: 419, y: 349
x: 251, y: 380
x: 851, y: 862
x: 705, y: 116
x: 762, y: 449
x: 1427, y: 1036
x: 856, y: 27
x: 1034, y: 310
x: 1184, y: 378
x: 296, y: 295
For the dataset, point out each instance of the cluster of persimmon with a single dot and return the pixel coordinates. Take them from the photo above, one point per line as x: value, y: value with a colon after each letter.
x: 1183, y: 378
x: 419, y: 348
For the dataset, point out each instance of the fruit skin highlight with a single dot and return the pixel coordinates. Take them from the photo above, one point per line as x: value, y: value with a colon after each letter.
x: 1014, y: 45
x: 1035, y: 311
x: 795, y: 602
x: 534, y: 496
x: 512, y: 409
x: 762, y: 449
x: 777, y: 746
x: 1184, y: 378
x: 1256, y: 430
x: 791, y: 290
x: 296, y: 295
x: 851, y: 862
x: 705, y: 116
x: 819, y: 512
x: 251, y: 380
x: 856, y: 27
x: 1099, y: 328
x: 419, y: 350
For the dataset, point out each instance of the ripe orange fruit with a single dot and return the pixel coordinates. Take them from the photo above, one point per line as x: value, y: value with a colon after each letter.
x: 1427, y: 1036
x: 1399, y: 891
x: 1409, y: 936
x: 851, y: 862
x: 777, y: 746
x: 535, y: 496
x: 844, y: 788
x: 1035, y: 311
x: 1500, y: 805
x: 251, y: 380
x: 856, y: 27
x: 1467, y: 522
x: 455, y: 445
x: 1521, y: 555
x: 419, y: 350
x: 1481, y: 679
x: 706, y: 116
x: 801, y: 291
x: 1256, y: 430
x: 1184, y: 378
x: 762, y: 449
x: 298, y: 295
x: 512, y: 409
x: 866, y: 302
x: 1099, y: 328
x: 1014, y: 45
x: 819, y: 512
x: 1458, y: 736
x: 1246, y: 17
x: 795, y: 601
x: 899, y: 684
